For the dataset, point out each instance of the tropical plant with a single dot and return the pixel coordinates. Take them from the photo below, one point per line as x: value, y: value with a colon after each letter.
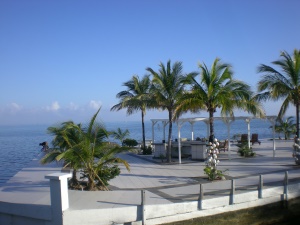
x: 287, y: 127
x: 212, y: 161
x: 129, y: 142
x: 147, y: 150
x: 213, y: 174
x: 168, y: 85
x: 218, y: 89
x: 65, y: 137
x: 120, y: 134
x: 91, y: 153
x: 283, y: 84
x: 245, y: 150
x: 135, y: 98
x: 162, y: 157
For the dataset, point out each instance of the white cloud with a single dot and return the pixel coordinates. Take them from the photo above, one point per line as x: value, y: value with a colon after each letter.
x: 14, y: 107
x: 95, y: 104
x: 73, y: 107
x: 54, y: 106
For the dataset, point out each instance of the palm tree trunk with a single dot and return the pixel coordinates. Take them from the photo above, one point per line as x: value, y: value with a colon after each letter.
x: 211, y: 126
x: 74, y: 180
x: 74, y: 174
x: 297, y: 119
x: 143, y: 130
x: 90, y: 177
x: 91, y: 182
x: 170, y: 137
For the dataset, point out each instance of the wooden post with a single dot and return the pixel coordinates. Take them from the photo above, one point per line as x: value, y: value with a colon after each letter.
x: 143, y: 207
x: 232, y: 192
x: 200, y: 197
x: 260, y: 186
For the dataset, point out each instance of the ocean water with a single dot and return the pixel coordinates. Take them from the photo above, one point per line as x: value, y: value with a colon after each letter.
x: 20, y: 144
x: 262, y: 127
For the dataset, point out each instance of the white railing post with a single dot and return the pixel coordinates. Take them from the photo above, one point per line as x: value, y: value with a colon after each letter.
x: 58, y: 195
x: 143, y: 196
x: 260, y: 187
x: 200, y: 197
x: 286, y: 183
x: 232, y: 192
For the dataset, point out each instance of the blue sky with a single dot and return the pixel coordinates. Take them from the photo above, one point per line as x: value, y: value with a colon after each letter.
x: 61, y: 60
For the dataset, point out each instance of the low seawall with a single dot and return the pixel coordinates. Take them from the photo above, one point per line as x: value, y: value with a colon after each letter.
x: 187, y: 212
x: 279, y: 213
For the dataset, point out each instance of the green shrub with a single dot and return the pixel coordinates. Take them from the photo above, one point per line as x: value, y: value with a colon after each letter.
x: 147, y: 150
x: 107, y: 173
x: 213, y: 174
x: 245, y: 151
x: 162, y: 157
x: 129, y: 142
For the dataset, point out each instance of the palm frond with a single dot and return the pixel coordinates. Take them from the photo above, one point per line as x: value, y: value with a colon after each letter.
x: 50, y: 157
x: 284, y: 84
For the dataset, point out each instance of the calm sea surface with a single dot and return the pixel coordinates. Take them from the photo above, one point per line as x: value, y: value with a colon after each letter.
x: 20, y: 144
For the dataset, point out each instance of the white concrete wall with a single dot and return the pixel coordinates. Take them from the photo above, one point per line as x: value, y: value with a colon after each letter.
x: 174, y: 212
x: 20, y: 214
x: 166, y: 213
x: 35, y: 214
x: 102, y: 216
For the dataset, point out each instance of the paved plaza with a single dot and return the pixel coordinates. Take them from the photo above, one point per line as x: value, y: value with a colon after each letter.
x: 180, y: 182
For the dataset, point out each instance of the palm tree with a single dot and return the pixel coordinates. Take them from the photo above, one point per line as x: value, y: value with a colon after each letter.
x: 286, y: 127
x: 284, y: 84
x: 218, y: 89
x: 120, y: 134
x: 135, y: 98
x: 65, y: 137
x: 168, y: 84
x: 91, y: 153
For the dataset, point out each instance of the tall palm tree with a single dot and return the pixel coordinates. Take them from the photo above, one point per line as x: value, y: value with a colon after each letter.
x: 135, y: 98
x: 168, y: 84
x: 218, y: 89
x: 283, y: 84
